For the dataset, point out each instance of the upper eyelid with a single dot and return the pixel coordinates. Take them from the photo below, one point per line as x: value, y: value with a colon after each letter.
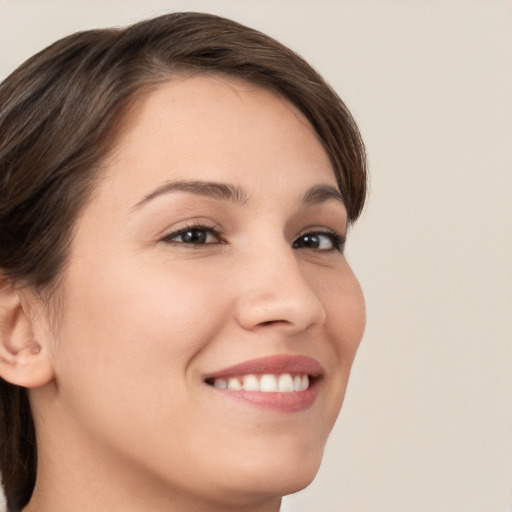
x: 320, y: 229
x: 338, y: 239
x: 323, y: 230
x: 215, y: 229
x: 200, y: 227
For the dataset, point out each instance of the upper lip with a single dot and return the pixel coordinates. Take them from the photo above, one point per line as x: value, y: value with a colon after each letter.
x: 277, y: 364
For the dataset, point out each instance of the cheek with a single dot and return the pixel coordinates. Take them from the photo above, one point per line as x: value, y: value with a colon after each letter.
x: 126, y: 353
x: 351, y: 317
x: 345, y: 309
x: 345, y: 324
x: 125, y: 322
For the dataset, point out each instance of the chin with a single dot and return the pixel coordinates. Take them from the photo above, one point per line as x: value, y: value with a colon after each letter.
x: 294, y: 481
x: 280, y: 474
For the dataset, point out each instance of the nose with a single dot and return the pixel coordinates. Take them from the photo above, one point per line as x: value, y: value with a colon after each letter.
x: 275, y: 293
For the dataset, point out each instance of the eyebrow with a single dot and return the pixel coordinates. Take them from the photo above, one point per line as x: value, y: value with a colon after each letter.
x: 322, y: 193
x: 214, y: 190
x: 232, y: 193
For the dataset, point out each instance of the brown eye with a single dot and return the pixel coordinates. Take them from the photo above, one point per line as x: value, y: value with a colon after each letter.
x: 195, y: 235
x: 319, y: 241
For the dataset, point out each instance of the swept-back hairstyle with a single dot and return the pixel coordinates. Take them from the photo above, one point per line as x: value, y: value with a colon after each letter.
x: 59, y: 113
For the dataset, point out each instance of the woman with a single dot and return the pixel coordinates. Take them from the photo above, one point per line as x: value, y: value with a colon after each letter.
x: 178, y: 320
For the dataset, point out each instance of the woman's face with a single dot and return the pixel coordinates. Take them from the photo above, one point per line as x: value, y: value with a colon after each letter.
x: 210, y: 255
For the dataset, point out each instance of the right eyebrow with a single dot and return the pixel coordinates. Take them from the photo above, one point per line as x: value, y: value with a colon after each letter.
x: 214, y: 190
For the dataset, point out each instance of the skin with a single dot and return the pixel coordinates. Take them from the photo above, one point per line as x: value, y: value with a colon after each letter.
x: 124, y: 419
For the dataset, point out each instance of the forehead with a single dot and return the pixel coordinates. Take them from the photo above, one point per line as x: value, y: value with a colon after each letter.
x: 217, y: 128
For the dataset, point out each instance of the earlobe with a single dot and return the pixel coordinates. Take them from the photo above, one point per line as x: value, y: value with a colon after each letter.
x: 23, y: 359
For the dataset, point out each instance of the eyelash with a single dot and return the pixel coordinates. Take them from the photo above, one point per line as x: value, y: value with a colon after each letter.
x: 337, y: 240
x: 194, y: 227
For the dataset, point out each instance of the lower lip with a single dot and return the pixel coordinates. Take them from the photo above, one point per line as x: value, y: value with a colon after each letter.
x: 291, y: 402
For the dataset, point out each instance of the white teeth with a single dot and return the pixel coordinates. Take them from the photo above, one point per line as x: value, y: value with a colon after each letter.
x: 268, y: 383
x: 304, y: 383
x: 285, y: 383
x: 251, y: 383
x: 234, y: 384
x: 220, y: 384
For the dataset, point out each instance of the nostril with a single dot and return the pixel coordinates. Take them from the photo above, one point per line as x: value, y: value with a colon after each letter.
x: 274, y: 322
x: 268, y: 322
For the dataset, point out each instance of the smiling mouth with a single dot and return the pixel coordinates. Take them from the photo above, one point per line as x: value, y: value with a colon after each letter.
x: 282, y: 383
x: 265, y: 383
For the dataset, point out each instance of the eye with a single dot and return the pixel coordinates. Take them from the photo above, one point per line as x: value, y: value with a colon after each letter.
x: 194, y: 235
x: 320, y: 241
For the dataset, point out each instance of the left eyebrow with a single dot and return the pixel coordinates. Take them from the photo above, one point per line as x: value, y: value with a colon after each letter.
x: 322, y: 193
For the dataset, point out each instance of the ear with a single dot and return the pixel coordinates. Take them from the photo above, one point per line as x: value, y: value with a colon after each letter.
x: 23, y: 360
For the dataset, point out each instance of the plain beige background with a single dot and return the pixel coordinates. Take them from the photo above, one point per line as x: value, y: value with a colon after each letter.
x: 427, y: 423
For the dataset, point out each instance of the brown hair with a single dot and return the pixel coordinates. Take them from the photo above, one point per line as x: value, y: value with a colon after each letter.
x: 58, y: 117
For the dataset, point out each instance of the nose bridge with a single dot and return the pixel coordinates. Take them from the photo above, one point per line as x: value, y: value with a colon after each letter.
x: 276, y: 291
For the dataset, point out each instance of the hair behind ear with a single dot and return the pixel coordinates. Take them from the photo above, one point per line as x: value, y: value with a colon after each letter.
x: 18, y: 454
x: 19, y: 366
